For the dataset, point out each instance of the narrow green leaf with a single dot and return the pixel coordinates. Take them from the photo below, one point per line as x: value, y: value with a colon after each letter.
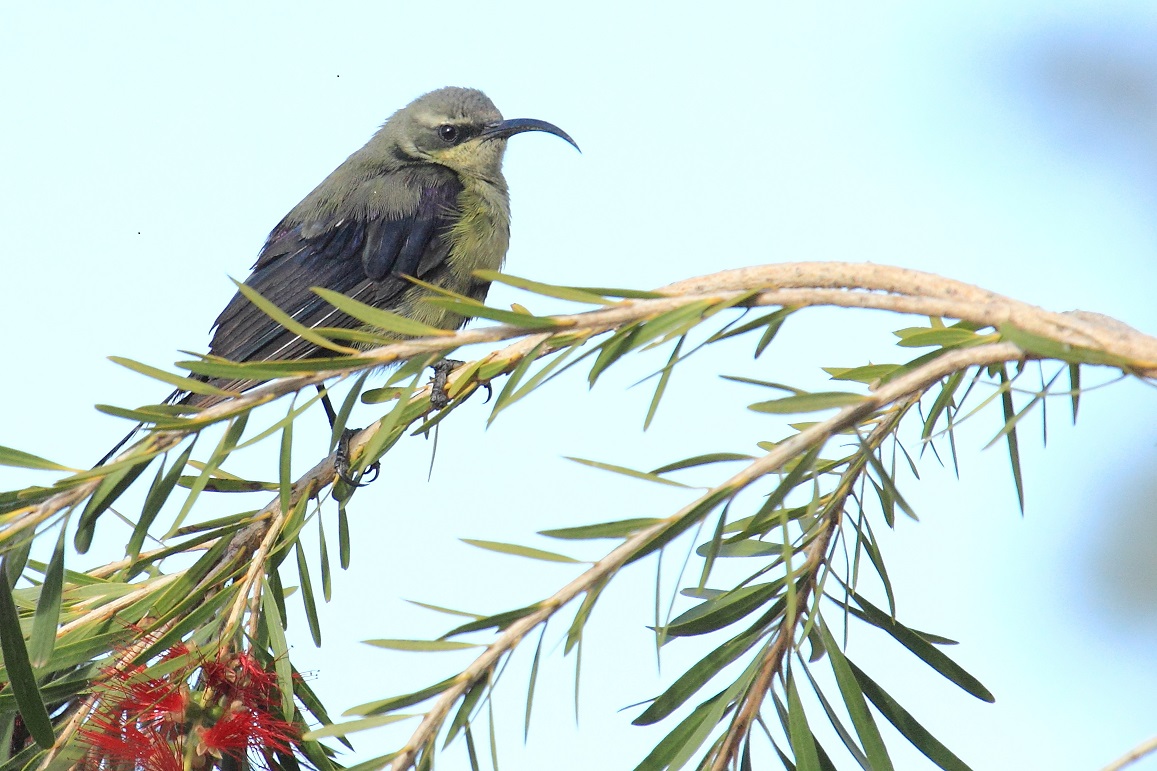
x: 867, y: 374
x: 307, y: 595
x: 947, y: 337
x: 378, y: 318
x: 1013, y: 445
x: 291, y: 324
x: 812, y: 402
x: 941, y: 403
x: 267, y: 370
x: 533, y: 681
x: 380, y: 441
x: 497, y: 621
x: 803, y: 744
x: 521, y: 551
x: 1075, y: 388
x: 21, y: 680
x: 158, y: 493
x: 383, y: 706
x: 865, y: 726
x: 343, y: 537
x: 511, y: 318
x: 461, y: 718
x: 907, y: 725
x: 353, y: 726
x: 623, y: 528
x: 447, y: 611
x: 927, y: 652
x: 189, y: 384
x: 702, y: 460
x: 284, y: 473
x: 272, y: 617
x: 724, y: 610
x: 21, y: 459
x: 228, y: 441
x: 423, y: 645
x: 574, y: 633
x: 106, y: 494
x: 47, y: 618
x: 509, y: 394
x: 627, y: 472
x: 696, y: 676
x: 775, y: 321
x: 661, y: 386
x: 574, y: 294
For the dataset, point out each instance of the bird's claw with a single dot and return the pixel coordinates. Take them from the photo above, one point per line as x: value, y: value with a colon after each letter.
x: 341, y: 462
x: 439, y: 397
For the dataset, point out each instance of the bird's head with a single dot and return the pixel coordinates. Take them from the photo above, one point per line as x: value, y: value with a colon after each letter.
x: 459, y: 128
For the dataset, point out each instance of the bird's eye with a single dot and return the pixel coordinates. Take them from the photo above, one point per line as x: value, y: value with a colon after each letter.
x: 448, y: 133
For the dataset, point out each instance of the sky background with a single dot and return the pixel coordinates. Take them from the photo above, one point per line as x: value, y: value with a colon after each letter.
x: 147, y: 149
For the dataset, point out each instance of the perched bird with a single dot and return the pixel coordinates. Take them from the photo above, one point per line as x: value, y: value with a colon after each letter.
x: 425, y: 197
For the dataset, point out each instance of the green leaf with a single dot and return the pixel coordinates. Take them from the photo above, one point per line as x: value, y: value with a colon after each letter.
x: 378, y: 318
x: 907, y: 725
x: 270, y: 370
x: 291, y: 324
x: 803, y: 744
x: 661, y: 386
x: 21, y: 459
x: 272, y: 618
x: 1075, y: 387
x: 724, y: 610
x: 188, y: 384
x: 1010, y: 429
x: 383, y: 706
x: 511, y: 318
x: 698, y: 675
x: 22, y: 681
x: 702, y: 460
x: 158, y: 493
x: 623, y: 528
x: 945, y: 337
x: 812, y: 402
x: 573, y: 294
x: 627, y: 472
x: 931, y: 655
x: 106, y: 494
x: 532, y: 682
x: 866, y: 729
x: 228, y: 441
x: 521, y: 551
x: 353, y: 726
x: 867, y: 374
x: 47, y: 618
x: 423, y: 645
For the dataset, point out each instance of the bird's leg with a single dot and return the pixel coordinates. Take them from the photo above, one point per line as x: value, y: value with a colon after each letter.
x: 439, y: 396
x: 341, y: 454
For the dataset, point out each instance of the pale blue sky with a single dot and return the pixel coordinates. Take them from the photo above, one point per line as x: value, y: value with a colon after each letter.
x: 146, y: 150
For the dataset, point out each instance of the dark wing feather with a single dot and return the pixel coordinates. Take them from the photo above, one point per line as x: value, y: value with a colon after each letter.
x: 361, y: 257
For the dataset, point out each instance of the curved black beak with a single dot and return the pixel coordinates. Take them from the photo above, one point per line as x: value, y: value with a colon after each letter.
x: 509, y: 128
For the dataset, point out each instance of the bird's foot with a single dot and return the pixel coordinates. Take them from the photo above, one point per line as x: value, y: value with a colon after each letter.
x: 439, y: 394
x: 341, y: 462
x: 439, y: 397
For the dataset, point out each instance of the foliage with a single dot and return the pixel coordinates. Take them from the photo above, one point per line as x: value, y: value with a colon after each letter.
x: 785, y: 544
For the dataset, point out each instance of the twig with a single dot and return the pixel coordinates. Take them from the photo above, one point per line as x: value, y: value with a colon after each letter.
x: 1133, y: 755
x: 912, y: 382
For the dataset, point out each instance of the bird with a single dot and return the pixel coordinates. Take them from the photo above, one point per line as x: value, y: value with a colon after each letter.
x: 424, y: 198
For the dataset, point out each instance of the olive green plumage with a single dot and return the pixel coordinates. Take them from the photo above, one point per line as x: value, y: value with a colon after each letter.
x: 425, y: 197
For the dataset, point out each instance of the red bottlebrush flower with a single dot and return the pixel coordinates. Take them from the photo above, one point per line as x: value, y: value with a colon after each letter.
x: 146, y: 748
x: 245, y: 727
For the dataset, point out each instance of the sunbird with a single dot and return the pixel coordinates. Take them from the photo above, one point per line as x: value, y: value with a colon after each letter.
x: 424, y: 198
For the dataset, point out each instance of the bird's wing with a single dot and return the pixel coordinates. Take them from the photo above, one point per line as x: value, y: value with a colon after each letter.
x: 361, y: 257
